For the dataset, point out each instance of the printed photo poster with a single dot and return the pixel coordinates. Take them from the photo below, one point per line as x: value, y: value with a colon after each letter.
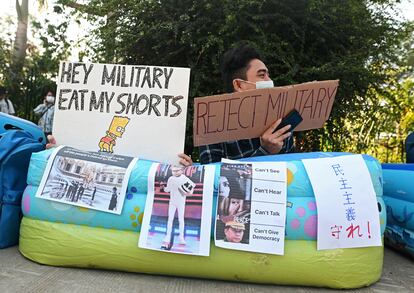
x: 91, y: 180
x: 132, y: 110
x: 251, y: 208
x: 178, y: 209
x: 348, y: 214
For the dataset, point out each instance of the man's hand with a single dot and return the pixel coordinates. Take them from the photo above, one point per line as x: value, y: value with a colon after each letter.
x: 51, y: 142
x: 185, y: 160
x: 273, y: 142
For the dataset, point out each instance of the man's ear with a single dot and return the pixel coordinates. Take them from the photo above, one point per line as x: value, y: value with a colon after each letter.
x: 237, y: 85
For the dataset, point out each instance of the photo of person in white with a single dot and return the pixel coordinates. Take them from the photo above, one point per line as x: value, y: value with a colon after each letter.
x: 179, y: 186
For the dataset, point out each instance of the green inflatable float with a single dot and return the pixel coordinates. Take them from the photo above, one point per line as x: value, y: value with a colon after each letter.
x: 58, y: 234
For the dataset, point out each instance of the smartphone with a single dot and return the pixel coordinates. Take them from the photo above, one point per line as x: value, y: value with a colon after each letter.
x: 293, y: 118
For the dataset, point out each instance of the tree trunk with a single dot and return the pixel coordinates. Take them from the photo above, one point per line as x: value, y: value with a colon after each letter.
x: 19, y: 50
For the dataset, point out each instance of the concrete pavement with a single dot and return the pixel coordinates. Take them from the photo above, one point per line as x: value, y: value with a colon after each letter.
x: 18, y: 274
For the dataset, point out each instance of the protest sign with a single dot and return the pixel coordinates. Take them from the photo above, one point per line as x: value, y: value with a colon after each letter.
x: 86, y: 179
x: 251, y: 208
x: 248, y: 114
x: 347, y: 205
x: 123, y: 109
x: 187, y: 192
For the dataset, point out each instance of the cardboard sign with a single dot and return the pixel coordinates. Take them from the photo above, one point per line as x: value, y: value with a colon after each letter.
x: 123, y: 109
x: 248, y: 114
x: 347, y: 205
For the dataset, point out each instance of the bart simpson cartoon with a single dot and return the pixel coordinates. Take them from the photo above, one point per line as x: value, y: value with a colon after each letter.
x: 116, y: 129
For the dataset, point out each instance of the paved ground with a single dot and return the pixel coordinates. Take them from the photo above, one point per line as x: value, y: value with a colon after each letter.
x: 18, y: 274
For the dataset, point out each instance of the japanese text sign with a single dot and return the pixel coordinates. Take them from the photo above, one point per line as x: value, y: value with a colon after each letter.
x: 347, y: 205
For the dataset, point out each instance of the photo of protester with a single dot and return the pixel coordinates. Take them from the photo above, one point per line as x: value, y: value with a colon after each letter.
x: 234, y: 203
x: 177, y: 201
x: 82, y: 179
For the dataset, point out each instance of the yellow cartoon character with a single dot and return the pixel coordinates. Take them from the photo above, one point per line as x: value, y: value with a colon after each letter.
x: 116, y: 129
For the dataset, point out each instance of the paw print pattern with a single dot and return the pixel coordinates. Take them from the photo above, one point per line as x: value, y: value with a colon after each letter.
x: 302, y: 220
x: 130, y: 193
x: 136, y: 217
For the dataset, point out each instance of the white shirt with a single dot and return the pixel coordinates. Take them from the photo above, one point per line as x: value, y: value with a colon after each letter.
x: 6, y: 106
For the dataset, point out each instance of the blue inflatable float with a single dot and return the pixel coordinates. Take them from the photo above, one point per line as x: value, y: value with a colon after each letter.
x: 399, y: 200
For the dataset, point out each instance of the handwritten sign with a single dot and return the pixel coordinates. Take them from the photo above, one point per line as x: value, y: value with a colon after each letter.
x: 247, y: 114
x: 251, y: 209
x: 123, y: 109
x: 347, y: 205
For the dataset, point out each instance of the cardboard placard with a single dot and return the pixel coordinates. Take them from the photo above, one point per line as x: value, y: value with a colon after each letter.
x: 248, y: 114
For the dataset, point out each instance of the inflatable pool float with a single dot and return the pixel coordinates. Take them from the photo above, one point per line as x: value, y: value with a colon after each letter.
x: 399, y: 201
x: 57, y: 234
x: 19, y: 138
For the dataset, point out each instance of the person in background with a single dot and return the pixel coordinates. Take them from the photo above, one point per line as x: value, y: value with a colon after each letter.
x: 114, y: 199
x: 46, y: 111
x: 243, y: 70
x: 6, y: 106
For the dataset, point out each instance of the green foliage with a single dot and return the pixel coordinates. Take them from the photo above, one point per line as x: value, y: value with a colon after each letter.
x: 354, y: 41
x: 361, y: 43
x: 381, y: 130
x: 6, y: 42
x: 40, y: 65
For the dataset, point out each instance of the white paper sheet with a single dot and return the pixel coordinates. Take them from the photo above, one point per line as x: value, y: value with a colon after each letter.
x: 347, y: 205
x: 132, y: 110
x: 171, y: 194
x: 86, y: 179
x: 251, y: 213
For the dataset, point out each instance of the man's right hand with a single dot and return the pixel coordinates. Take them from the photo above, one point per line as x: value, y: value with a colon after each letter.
x: 185, y: 160
x: 273, y: 142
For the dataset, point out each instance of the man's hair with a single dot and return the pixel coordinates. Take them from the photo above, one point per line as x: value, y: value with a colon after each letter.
x: 2, y: 90
x: 235, y: 64
x: 47, y: 91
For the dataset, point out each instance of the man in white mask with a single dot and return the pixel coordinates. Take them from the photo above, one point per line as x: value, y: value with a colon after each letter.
x: 242, y: 70
x: 46, y: 111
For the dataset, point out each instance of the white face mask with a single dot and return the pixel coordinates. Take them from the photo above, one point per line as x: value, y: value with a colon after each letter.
x: 50, y: 99
x: 264, y: 84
